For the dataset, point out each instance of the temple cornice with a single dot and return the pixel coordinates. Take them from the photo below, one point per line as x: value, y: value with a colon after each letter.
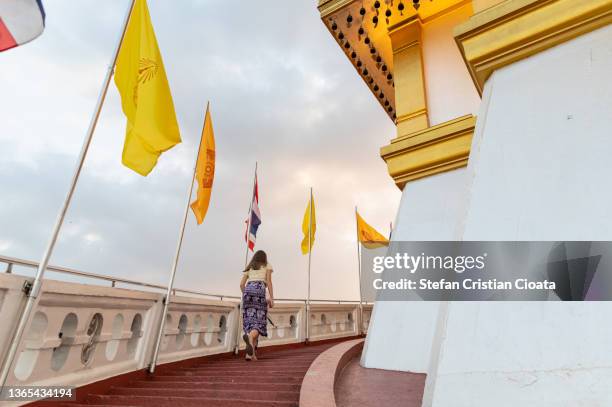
x: 514, y: 30
x: 430, y: 151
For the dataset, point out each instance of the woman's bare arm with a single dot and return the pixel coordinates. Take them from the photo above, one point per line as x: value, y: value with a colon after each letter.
x: 243, y: 281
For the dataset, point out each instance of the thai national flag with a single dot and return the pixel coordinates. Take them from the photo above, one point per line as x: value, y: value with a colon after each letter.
x: 20, y: 21
x: 255, y: 217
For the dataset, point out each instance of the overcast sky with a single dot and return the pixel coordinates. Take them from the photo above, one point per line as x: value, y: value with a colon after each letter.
x: 281, y: 93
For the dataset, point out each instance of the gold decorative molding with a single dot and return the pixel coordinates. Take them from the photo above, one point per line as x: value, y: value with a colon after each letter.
x: 410, y: 95
x: 329, y: 7
x: 364, y: 32
x: 366, y: 47
x: 430, y: 151
x: 516, y: 29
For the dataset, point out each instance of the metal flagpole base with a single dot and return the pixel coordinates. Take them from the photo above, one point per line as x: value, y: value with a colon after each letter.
x: 238, y: 330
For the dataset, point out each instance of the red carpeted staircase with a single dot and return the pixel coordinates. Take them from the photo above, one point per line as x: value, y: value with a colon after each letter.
x: 274, y: 380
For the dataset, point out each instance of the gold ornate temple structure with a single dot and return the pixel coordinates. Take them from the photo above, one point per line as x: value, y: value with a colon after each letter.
x: 426, y: 63
x: 408, y: 58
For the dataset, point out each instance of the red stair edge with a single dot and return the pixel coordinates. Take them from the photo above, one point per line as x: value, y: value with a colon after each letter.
x: 318, y: 386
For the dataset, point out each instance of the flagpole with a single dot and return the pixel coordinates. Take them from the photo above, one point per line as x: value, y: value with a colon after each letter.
x: 34, y: 289
x: 359, y: 275
x: 246, y: 256
x: 309, y: 259
x: 162, y: 318
x: 246, y: 259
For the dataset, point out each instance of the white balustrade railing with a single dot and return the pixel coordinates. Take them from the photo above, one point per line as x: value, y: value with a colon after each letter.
x: 195, y: 327
x: 288, y: 320
x: 82, y: 333
x: 79, y: 333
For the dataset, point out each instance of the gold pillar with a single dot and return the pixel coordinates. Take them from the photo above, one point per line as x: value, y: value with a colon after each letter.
x: 410, y: 98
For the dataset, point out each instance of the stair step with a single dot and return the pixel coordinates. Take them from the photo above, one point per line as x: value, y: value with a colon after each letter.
x: 251, y: 365
x: 260, y: 362
x: 262, y: 359
x: 230, y: 379
x: 173, y: 401
x: 74, y: 404
x: 270, y: 373
x: 246, y: 385
x: 272, y: 381
x: 288, y: 355
x: 237, y: 393
x: 245, y: 371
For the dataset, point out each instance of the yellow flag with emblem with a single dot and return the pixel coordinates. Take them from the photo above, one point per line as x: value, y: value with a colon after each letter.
x: 145, y: 95
x: 368, y: 236
x: 205, y: 169
x: 309, y: 226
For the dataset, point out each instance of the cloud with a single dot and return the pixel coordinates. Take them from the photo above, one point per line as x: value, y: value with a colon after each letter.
x: 5, y: 245
x: 92, y: 237
x: 282, y: 93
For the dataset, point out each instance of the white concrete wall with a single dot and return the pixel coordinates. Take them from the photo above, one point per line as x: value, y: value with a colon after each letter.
x: 526, y: 354
x: 539, y: 170
x: 400, y: 336
x: 431, y: 207
x: 401, y: 333
x: 448, y: 85
x: 543, y: 168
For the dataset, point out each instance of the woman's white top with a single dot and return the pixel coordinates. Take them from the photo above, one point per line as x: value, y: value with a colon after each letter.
x: 258, y: 275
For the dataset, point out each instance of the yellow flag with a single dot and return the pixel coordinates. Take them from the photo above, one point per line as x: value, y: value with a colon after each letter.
x: 307, y: 226
x: 205, y: 169
x: 145, y: 95
x: 368, y: 236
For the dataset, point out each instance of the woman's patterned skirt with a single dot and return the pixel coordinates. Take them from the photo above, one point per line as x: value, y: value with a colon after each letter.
x: 255, y: 308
